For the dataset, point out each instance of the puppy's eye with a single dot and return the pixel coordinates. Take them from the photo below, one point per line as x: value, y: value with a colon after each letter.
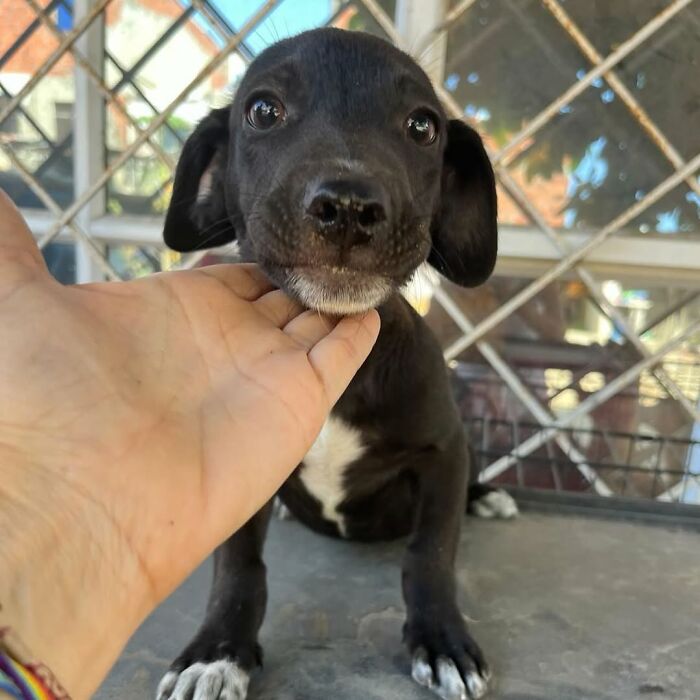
x: 422, y: 128
x: 265, y: 112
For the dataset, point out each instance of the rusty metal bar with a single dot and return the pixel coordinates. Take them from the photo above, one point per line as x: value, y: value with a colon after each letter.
x: 54, y: 58
x: 587, y: 405
x: 508, y: 152
x: 215, y: 62
x: 638, y: 112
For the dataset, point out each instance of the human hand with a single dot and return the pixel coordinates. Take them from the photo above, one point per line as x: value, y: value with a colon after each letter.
x: 141, y: 423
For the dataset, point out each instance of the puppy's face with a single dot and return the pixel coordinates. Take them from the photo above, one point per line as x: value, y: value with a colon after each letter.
x: 337, y: 171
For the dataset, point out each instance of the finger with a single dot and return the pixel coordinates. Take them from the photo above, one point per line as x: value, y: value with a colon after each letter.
x: 245, y: 280
x: 15, y: 236
x: 278, y: 307
x: 309, y: 328
x: 337, y: 357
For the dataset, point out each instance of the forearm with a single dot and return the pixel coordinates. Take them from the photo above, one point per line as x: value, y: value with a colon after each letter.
x: 56, y: 595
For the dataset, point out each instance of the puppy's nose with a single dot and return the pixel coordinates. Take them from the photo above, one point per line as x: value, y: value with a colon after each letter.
x: 347, y: 211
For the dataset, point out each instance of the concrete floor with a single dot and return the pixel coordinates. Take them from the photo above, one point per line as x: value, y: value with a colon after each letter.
x: 566, y: 608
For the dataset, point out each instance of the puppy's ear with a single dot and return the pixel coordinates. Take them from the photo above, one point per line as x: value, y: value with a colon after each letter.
x: 464, y: 229
x: 197, y: 217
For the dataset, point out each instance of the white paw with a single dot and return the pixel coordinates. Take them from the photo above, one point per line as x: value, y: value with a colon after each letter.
x: 218, y: 680
x: 280, y: 511
x: 495, y: 504
x: 449, y: 684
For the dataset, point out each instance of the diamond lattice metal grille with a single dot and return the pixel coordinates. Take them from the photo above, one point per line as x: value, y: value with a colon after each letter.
x: 557, y: 91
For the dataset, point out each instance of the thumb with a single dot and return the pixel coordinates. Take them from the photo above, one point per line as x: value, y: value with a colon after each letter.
x: 16, y: 240
x: 337, y: 357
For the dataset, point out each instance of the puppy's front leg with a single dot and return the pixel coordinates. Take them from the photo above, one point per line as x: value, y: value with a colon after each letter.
x: 445, y: 657
x: 217, y: 663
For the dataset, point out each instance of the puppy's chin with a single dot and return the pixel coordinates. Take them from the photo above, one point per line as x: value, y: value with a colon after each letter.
x: 338, y: 291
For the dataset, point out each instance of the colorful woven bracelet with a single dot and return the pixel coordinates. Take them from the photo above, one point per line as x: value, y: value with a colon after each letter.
x: 21, y: 675
x: 8, y: 686
x: 20, y: 682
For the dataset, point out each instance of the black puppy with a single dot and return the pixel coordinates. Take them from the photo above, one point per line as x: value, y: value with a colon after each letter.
x: 337, y: 171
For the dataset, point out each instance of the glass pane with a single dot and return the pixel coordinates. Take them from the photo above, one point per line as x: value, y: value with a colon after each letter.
x: 169, y: 49
x: 497, y: 56
x: 663, y: 76
x: 39, y: 130
x: 507, y: 61
x: 607, y: 24
x: 677, y: 213
x: 147, y: 76
x: 595, y: 162
x: 141, y: 186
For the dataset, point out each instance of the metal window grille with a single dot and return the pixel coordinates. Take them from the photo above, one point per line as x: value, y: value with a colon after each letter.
x: 81, y: 184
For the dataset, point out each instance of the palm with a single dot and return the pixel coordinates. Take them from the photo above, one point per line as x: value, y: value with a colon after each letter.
x: 191, y: 374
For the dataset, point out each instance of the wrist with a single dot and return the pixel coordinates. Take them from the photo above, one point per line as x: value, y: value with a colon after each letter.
x: 70, y: 588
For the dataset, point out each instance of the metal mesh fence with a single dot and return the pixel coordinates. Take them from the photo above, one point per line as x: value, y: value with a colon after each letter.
x: 632, y: 464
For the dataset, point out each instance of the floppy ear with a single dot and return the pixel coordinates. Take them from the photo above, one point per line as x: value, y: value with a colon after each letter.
x: 197, y: 217
x: 464, y: 229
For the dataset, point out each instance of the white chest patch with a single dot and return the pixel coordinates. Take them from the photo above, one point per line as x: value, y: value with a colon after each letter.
x: 337, y: 446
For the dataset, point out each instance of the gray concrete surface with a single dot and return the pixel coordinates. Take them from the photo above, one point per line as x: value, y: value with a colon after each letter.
x: 566, y: 608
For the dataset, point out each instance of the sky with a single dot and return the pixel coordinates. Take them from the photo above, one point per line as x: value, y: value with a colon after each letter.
x: 291, y: 17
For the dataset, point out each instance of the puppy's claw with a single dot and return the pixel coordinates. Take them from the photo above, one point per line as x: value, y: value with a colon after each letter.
x: 448, y: 682
x: 476, y: 684
x: 421, y: 671
x: 166, y: 686
x: 451, y: 684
